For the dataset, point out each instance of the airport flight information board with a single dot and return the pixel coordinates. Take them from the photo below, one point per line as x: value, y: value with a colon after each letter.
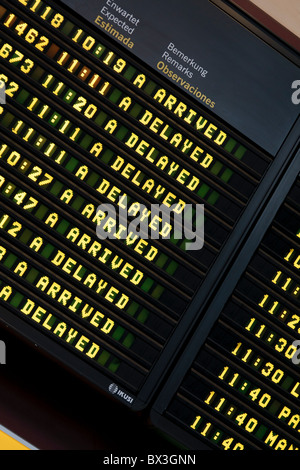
x: 243, y: 387
x: 94, y: 117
